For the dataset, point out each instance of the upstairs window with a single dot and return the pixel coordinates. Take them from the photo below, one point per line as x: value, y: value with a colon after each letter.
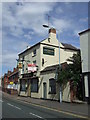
x: 42, y: 61
x: 34, y: 53
x: 34, y: 62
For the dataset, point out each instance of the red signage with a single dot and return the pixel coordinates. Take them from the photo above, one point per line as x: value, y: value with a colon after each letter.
x: 32, y: 68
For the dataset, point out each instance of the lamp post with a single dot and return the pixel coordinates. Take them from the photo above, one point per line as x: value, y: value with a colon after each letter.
x: 47, y: 26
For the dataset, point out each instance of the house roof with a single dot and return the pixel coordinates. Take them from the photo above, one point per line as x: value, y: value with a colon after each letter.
x: 69, y: 46
x: 66, y: 46
x: 31, y: 47
x: 53, y: 67
x: 13, y: 73
x: 84, y: 31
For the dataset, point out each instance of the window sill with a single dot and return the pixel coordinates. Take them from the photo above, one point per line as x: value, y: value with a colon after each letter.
x: 34, y: 92
x: 52, y: 93
x: 33, y: 55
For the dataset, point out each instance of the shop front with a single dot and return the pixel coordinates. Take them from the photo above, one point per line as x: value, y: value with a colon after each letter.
x: 25, y: 84
x: 28, y: 85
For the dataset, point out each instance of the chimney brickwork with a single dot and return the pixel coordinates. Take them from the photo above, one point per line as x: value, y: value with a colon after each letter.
x: 52, y: 30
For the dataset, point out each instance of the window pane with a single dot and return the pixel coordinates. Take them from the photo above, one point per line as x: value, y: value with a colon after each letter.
x: 23, y: 87
x: 52, y: 86
x: 34, y: 85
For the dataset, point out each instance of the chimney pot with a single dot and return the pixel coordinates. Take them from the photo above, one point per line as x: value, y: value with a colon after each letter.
x: 52, y: 30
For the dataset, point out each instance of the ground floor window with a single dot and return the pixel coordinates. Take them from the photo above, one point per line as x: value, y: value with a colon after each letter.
x: 52, y: 86
x: 34, y: 85
x: 22, y: 85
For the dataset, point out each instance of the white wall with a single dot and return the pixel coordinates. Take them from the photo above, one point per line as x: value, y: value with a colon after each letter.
x: 28, y: 56
x: 89, y: 51
x: 84, y: 51
x: 52, y: 60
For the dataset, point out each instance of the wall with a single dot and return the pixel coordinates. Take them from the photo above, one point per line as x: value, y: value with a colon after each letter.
x: 66, y: 93
x: 88, y: 51
x: 45, y: 78
x: 28, y: 57
x: 52, y: 60
x: 84, y: 51
x: 66, y: 90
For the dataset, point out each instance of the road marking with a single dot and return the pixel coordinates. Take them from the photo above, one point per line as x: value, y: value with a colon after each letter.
x: 17, y: 107
x: 61, y: 111
x: 1, y: 100
x: 35, y: 115
x: 14, y: 106
x: 10, y: 104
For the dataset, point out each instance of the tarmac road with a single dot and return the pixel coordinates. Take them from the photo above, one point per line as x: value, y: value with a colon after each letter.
x: 15, y: 109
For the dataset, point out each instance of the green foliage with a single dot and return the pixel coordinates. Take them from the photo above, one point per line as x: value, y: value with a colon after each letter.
x: 63, y: 76
x: 72, y: 70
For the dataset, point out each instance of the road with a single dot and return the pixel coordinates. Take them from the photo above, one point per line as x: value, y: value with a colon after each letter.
x: 16, y: 109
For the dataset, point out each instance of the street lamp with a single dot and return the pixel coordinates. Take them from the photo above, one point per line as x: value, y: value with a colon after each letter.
x: 47, y: 26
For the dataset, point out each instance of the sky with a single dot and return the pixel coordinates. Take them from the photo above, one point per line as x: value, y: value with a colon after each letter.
x: 22, y: 26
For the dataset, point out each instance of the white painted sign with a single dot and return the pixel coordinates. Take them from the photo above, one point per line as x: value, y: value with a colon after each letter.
x: 32, y: 68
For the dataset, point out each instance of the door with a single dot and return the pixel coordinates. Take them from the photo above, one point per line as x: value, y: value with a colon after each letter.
x: 29, y: 88
x: 44, y: 90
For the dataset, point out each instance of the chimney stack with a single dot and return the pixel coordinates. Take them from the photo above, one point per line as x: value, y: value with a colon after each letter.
x: 9, y: 72
x: 52, y: 30
x: 52, y: 33
x: 14, y: 69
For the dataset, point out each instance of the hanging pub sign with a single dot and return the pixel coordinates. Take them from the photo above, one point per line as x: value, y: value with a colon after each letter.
x: 32, y: 67
x: 20, y: 65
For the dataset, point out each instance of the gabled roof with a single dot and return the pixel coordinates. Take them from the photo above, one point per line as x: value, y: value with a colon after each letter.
x: 84, y: 31
x: 66, y: 46
x: 69, y: 46
x: 54, y: 67
x: 32, y: 46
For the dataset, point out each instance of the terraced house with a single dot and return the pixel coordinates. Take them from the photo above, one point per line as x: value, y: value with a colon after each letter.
x: 37, y: 68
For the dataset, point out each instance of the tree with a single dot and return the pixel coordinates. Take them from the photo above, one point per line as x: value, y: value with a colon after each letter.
x: 75, y: 67
x: 72, y: 72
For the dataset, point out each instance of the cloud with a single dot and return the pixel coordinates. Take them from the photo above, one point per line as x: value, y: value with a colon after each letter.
x: 28, y: 37
x: 61, y: 24
x: 83, y: 19
x: 22, y: 24
x: 20, y: 17
x: 10, y: 54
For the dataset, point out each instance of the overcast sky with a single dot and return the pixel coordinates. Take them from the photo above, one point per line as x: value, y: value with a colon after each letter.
x: 22, y: 25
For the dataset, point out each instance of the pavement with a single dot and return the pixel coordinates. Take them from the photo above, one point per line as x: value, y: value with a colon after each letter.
x: 80, y: 109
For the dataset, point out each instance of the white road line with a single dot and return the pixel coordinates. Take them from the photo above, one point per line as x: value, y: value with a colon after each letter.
x: 10, y: 104
x: 1, y: 100
x: 14, y: 106
x: 17, y: 107
x: 35, y: 115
